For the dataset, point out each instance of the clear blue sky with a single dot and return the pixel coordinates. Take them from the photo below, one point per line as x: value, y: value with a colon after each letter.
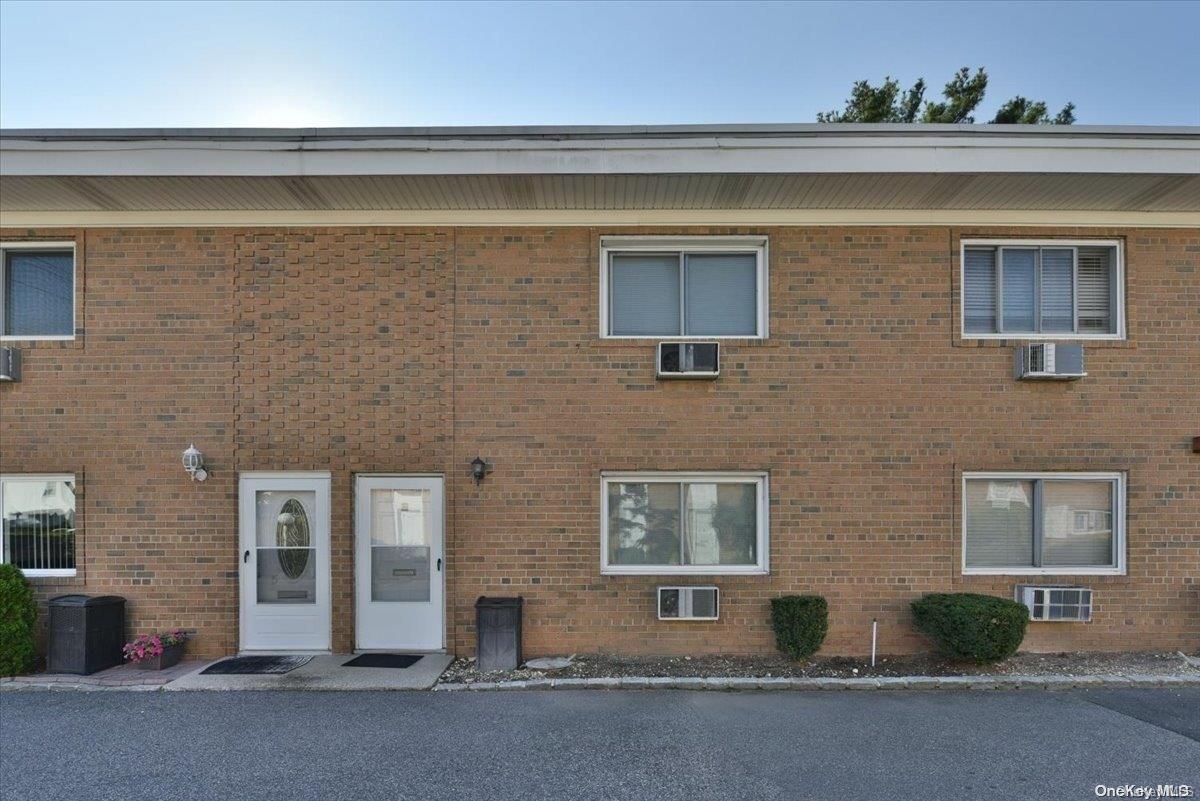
x: 348, y: 63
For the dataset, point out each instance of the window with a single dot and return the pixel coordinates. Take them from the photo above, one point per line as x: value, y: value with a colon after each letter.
x: 695, y: 523
x: 37, y: 290
x: 1045, y: 289
x: 678, y: 288
x: 1043, y: 523
x: 38, y: 513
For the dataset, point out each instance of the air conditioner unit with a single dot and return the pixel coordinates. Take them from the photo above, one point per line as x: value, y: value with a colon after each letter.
x: 10, y: 364
x: 1048, y: 361
x: 688, y: 360
x: 688, y: 603
x: 1056, y: 603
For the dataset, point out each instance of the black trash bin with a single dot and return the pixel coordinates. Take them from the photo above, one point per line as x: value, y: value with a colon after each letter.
x: 86, y: 633
x: 498, y: 633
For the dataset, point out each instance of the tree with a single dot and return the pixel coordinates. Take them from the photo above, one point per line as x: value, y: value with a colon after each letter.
x: 963, y: 94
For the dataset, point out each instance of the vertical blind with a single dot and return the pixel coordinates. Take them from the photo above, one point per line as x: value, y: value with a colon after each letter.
x: 39, y: 523
x: 1054, y: 290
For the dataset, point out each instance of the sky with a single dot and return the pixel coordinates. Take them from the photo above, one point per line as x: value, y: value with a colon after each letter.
x: 217, y: 64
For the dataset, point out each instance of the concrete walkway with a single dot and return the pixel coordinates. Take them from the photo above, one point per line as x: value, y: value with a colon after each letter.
x: 324, y: 672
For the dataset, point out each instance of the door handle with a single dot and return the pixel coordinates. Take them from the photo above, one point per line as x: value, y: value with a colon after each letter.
x: 439, y: 564
x: 245, y: 557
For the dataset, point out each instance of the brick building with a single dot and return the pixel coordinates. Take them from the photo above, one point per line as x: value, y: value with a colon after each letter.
x: 341, y: 321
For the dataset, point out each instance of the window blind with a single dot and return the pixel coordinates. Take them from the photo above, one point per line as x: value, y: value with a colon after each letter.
x: 1019, y: 287
x: 720, y: 294
x: 38, y: 294
x: 1095, y: 289
x: 999, y: 524
x: 644, y: 295
x: 1057, y: 290
x: 979, y: 290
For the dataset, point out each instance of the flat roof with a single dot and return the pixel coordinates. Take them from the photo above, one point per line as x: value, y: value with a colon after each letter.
x: 607, y: 131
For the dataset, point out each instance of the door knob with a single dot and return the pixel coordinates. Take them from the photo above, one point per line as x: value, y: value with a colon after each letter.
x: 439, y: 564
x: 245, y: 557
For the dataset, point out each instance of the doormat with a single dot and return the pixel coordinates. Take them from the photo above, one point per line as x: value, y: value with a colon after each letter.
x: 257, y: 665
x: 384, y: 660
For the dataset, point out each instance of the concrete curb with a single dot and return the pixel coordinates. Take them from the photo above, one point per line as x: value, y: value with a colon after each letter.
x: 734, y: 683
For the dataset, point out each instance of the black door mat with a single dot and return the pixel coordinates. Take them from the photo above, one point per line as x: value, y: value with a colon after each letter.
x: 384, y: 660
x: 257, y: 665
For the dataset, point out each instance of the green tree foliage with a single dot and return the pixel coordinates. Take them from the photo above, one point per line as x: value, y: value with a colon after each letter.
x: 962, y: 95
x: 18, y: 616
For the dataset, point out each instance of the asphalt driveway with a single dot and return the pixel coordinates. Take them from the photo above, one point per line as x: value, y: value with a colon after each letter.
x: 594, y: 745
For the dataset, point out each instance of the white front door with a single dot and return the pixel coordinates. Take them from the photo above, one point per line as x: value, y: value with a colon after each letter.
x: 284, y: 561
x: 398, y: 563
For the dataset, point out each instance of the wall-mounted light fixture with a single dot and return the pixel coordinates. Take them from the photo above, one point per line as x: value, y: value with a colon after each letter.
x: 193, y: 463
x: 479, y: 469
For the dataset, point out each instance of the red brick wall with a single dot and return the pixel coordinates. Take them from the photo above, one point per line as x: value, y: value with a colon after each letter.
x: 405, y: 350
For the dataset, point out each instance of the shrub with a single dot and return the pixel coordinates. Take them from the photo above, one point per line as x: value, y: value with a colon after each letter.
x: 971, y: 627
x: 800, y: 623
x: 18, y: 618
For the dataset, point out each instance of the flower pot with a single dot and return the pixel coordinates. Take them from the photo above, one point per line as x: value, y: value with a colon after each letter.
x: 168, y: 658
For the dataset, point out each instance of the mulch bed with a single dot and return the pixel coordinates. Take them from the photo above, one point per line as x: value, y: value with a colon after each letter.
x: 604, y: 666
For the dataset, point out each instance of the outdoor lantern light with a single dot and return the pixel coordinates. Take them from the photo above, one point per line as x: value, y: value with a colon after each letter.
x: 193, y: 463
x: 479, y: 469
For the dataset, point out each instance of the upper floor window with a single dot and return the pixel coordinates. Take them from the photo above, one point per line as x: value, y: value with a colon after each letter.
x: 37, y: 290
x: 38, y: 514
x: 683, y: 287
x: 1043, y: 523
x: 684, y: 523
x: 1042, y: 289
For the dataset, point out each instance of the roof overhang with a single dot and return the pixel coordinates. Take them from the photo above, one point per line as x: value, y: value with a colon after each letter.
x: 730, y: 173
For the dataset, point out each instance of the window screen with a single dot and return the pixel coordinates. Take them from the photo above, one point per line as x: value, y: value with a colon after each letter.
x: 1010, y: 289
x: 38, y: 293
x: 683, y: 294
x: 39, y: 522
x: 682, y: 523
x: 1040, y: 523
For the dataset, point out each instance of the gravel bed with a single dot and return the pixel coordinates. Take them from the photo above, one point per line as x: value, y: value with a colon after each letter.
x: 599, y: 666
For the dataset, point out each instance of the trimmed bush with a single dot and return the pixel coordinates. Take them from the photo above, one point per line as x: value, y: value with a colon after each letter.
x: 800, y: 623
x: 18, y: 618
x: 971, y: 627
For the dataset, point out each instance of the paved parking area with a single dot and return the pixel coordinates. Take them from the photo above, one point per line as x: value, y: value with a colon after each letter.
x: 595, y: 744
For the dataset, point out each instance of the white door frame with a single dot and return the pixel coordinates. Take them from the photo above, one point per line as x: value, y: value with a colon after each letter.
x: 249, y: 484
x: 364, y: 639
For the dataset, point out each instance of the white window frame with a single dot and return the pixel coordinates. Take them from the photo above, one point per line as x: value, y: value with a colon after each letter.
x: 762, y: 538
x: 1116, y: 478
x: 1073, y: 244
x: 38, y: 572
x: 21, y: 247
x: 757, y: 245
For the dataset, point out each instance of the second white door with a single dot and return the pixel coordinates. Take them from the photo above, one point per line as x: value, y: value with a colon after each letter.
x: 398, y: 561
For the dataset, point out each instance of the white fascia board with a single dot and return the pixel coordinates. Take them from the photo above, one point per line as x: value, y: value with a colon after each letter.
x: 846, y: 154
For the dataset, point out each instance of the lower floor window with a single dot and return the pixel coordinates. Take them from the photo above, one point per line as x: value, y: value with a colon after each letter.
x: 701, y: 523
x: 1043, y: 523
x: 38, y: 513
